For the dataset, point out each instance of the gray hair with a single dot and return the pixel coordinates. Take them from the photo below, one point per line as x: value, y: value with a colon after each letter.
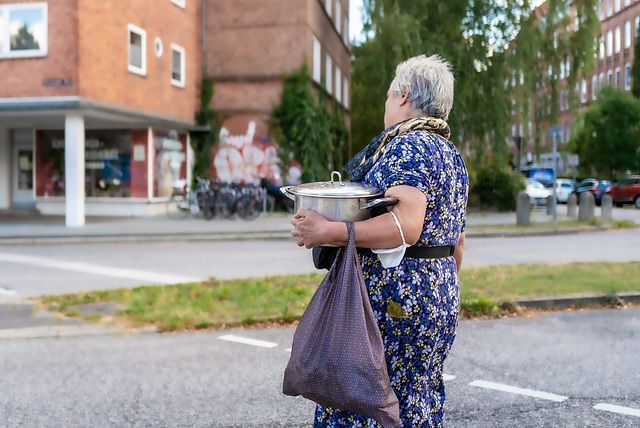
x: 429, y: 84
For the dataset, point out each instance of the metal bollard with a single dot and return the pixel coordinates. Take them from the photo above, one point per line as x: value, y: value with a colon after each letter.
x: 550, y: 205
x: 523, y: 209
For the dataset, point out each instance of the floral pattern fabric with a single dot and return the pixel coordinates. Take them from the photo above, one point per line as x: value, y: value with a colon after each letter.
x: 417, y: 302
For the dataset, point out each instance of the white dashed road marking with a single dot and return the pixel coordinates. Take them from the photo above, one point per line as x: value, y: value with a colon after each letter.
x: 520, y: 391
x: 447, y: 377
x: 617, y: 409
x: 246, y: 341
x: 153, y: 277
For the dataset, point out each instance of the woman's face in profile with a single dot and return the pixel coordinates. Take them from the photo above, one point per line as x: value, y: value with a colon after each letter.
x: 391, y: 109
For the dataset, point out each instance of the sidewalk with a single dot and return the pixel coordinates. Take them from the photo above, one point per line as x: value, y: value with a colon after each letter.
x: 30, y: 228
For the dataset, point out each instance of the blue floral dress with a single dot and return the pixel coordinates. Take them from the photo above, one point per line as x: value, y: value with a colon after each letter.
x: 417, y: 302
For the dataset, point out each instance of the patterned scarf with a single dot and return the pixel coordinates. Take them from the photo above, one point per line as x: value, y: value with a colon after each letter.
x: 361, y: 163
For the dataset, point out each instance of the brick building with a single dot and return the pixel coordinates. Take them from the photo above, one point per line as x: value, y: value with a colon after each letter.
x: 97, y: 99
x: 251, y: 44
x: 619, y: 24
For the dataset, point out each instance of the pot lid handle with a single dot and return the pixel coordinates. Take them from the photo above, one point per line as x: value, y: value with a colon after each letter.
x: 339, y: 177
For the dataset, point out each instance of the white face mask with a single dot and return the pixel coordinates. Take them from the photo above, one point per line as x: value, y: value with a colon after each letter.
x: 393, y: 256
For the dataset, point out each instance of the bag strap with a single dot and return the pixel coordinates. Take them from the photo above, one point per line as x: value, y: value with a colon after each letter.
x: 351, y: 242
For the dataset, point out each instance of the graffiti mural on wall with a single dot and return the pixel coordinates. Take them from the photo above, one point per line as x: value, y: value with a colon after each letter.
x: 246, y: 158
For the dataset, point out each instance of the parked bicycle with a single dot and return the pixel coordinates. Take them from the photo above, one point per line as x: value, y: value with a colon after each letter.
x: 185, y: 202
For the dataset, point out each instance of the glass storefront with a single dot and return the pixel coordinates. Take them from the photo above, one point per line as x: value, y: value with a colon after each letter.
x: 107, y: 163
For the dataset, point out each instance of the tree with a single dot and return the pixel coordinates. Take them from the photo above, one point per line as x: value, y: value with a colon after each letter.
x: 489, y: 43
x: 635, y: 70
x: 608, y: 138
x: 23, y: 39
x: 202, y: 140
x: 302, y: 126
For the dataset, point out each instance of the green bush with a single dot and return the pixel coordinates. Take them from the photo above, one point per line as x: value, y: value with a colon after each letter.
x: 496, y: 188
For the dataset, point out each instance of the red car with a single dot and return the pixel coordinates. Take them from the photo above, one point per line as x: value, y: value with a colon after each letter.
x: 626, y: 191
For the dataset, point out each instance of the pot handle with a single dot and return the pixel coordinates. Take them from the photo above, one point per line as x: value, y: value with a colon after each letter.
x: 378, y: 203
x: 285, y: 191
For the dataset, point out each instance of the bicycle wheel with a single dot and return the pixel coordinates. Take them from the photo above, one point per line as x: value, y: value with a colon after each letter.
x: 178, y: 206
x: 248, y: 208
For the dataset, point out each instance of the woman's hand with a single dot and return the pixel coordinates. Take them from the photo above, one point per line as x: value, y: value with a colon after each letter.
x: 311, y: 228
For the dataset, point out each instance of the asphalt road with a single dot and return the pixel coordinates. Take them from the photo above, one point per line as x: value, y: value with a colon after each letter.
x: 565, y: 369
x: 36, y: 270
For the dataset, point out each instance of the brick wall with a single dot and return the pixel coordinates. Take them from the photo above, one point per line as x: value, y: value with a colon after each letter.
x: 23, y: 77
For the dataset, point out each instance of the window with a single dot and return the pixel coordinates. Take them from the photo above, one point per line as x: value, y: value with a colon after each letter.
x: 637, y: 22
x: 617, y: 77
x: 601, y: 10
x: 594, y: 86
x: 601, y: 79
x: 177, y: 65
x: 137, y: 50
x: 23, y: 30
x: 338, y: 15
x: 609, y: 7
x: 338, y: 80
x: 327, y: 6
x: 626, y: 2
x: 601, y: 47
x: 609, y: 43
x: 617, y: 40
x: 617, y: 8
x: 627, y: 77
x: 609, y: 77
x: 583, y: 92
x: 181, y: 3
x: 568, y: 66
x: 316, y: 60
x: 627, y: 34
x: 328, y: 73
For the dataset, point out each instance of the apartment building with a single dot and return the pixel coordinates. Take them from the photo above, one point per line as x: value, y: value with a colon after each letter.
x: 619, y: 24
x: 252, y: 44
x: 97, y: 97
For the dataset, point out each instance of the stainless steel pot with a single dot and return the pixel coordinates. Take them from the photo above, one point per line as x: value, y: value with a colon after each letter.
x: 337, y: 201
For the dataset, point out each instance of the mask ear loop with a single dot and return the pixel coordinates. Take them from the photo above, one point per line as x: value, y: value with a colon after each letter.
x: 404, y: 243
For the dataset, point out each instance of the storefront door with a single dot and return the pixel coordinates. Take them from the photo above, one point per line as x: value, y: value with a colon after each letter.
x: 22, y: 175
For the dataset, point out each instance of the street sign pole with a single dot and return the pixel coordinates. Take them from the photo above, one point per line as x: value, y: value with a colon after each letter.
x: 554, y: 132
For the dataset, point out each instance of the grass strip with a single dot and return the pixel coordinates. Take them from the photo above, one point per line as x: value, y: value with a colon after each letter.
x: 282, y: 299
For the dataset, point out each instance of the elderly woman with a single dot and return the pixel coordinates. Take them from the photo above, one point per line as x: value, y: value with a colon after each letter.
x: 413, y: 287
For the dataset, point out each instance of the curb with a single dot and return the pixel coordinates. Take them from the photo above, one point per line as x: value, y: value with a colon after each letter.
x: 256, y: 235
x: 70, y: 331
x: 566, y: 302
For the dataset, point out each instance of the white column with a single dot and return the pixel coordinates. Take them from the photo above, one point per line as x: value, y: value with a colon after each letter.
x: 5, y: 169
x: 74, y: 169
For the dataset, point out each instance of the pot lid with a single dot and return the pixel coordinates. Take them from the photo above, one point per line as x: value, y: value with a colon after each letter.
x: 335, y: 189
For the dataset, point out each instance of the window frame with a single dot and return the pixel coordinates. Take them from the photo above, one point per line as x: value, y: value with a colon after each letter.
x: 5, y: 35
x: 183, y: 61
x: 142, y: 70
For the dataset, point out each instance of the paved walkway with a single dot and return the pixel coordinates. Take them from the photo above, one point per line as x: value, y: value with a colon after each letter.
x: 30, y: 228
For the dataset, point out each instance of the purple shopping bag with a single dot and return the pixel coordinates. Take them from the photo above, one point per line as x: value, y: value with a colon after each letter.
x: 337, y: 358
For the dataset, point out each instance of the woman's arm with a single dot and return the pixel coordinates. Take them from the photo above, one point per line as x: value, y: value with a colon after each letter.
x: 379, y: 232
x: 457, y: 254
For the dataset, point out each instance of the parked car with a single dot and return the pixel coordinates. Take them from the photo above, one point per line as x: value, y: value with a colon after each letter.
x: 537, y: 192
x: 597, y: 187
x: 626, y: 191
x: 564, y: 188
